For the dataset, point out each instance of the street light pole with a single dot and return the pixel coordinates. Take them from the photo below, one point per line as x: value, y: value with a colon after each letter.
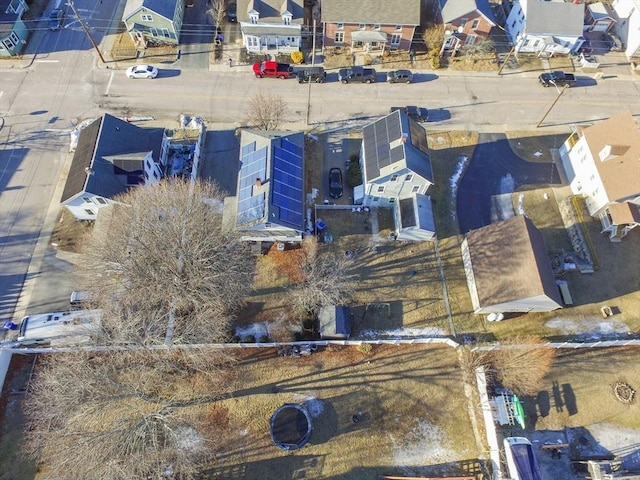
x: 560, y: 92
x: 313, y: 62
x: 86, y: 30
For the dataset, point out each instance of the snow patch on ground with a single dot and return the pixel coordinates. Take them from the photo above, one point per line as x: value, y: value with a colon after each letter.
x: 404, y: 332
x: 463, y: 161
x: 256, y: 329
x: 520, y: 204
x: 425, y: 444
x: 507, y: 184
x: 314, y: 405
x: 589, y: 327
x: 189, y: 439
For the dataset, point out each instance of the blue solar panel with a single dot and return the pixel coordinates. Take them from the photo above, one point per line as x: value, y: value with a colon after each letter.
x: 253, y: 166
x: 287, y: 188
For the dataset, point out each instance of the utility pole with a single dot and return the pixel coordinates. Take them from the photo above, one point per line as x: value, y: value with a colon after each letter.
x: 507, y: 59
x: 313, y: 62
x: 86, y: 30
x: 560, y: 92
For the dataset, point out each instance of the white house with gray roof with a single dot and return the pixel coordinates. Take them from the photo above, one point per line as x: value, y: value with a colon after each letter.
x: 546, y: 27
x: 271, y: 26
x: 269, y: 205
x: 370, y: 25
x: 627, y: 26
x: 396, y: 173
x: 154, y: 22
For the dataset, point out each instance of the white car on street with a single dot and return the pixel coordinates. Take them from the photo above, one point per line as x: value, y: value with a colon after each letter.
x: 142, y: 71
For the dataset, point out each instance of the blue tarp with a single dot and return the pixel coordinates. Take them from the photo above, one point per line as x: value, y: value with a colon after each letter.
x: 526, y: 462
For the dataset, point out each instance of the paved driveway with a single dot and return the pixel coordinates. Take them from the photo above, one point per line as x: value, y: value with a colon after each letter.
x: 493, y: 170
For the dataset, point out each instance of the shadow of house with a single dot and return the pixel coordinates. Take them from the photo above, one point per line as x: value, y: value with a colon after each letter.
x: 508, y: 270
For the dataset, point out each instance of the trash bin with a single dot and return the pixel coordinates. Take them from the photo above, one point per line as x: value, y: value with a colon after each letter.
x: 10, y: 326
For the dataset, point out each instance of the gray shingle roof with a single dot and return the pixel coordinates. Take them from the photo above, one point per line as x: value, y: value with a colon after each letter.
x: 119, y: 148
x: 390, y: 12
x: 554, y: 18
x: 166, y: 8
x: 383, y: 145
x: 453, y: 9
x: 271, y: 10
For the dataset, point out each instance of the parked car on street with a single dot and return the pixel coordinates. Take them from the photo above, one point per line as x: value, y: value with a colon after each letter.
x: 56, y: 19
x: 142, y: 71
x: 357, y: 75
x: 272, y: 69
x: 399, y: 76
x: 335, y: 183
x: 558, y: 79
x: 419, y: 114
x: 232, y: 12
x: 315, y: 74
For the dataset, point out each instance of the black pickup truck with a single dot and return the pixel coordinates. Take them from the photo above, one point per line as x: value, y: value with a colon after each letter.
x: 357, y: 74
x: 560, y: 79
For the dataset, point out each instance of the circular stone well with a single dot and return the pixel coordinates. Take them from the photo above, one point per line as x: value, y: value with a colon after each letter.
x: 290, y: 426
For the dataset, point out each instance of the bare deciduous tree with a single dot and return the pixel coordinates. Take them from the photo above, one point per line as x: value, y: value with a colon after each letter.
x: 266, y: 111
x: 519, y: 363
x: 326, y: 279
x: 124, y: 414
x: 216, y: 11
x: 433, y: 37
x: 479, y: 48
x: 163, y: 268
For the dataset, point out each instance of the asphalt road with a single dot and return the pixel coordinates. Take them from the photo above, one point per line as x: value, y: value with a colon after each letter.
x: 64, y: 84
x: 495, y: 169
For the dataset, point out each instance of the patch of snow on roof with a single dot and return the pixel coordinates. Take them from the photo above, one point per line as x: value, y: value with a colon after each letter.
x: 520, y: 204
x: 589, y: 327
x: 404, y: 332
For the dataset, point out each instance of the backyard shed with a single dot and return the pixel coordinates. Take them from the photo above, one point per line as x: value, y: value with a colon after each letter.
x: 335, y: 322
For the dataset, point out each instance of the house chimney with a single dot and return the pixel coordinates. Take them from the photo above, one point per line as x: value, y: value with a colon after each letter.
x: 88, y: 170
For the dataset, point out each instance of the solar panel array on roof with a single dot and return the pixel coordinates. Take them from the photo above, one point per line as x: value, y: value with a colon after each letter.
x: 287, y: 188
x: 253, y: 167
x: 418, y: 136
x: 378, y: 137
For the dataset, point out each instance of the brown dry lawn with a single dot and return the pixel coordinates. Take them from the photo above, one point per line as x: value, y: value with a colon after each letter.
x: 587, y: 375
x: 409, y: 401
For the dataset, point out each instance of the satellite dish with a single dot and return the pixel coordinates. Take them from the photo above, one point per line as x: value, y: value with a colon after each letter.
x: 460, y: 29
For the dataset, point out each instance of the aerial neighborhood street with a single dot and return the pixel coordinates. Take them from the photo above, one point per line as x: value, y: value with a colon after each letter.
x: 337, y: 239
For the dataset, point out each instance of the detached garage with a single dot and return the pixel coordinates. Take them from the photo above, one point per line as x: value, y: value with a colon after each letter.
x: 335, y: 322
x: 508, y: 269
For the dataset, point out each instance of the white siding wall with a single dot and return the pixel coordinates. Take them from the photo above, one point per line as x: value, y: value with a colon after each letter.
x: 628, y: 25
x: 86, y: 206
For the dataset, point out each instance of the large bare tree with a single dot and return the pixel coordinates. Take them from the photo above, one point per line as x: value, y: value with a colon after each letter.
x: 266, y: 111
x: 325, y: 279
x: 125, y: 414
x: 163, y: 268
x: 216, y: 10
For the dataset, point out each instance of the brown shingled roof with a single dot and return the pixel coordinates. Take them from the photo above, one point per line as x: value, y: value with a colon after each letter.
x: 510, y: 262
x: 620, y: 174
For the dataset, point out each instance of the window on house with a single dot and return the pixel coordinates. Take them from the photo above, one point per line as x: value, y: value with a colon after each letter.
x: 398, y: 27
x: 475, y: 24
x: 89, y: 212
x: 101, y: 200
x: 595, y: 192
x: 254, y: 18
x: 86, y: 200
x: 375, y: 199
x: 376, y: 26
x: 286, y: 19
x: 361, y: 26
x: 408, y: 178
x: 392, y: 200
x: 394, y: 177
x: 537, y: 42
x: 415, y: 189
x: 513, y: 24
x: 145, y: 17
x: 470, y: 40
x: 380, y: 188
x: 153, y: 31
x: 395, y: 39
x: 166, y: 33
x: 592, y: 177
x: 339, y: 37
x: 339, y: 26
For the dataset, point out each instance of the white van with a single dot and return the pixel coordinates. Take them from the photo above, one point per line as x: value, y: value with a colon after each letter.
x: 60, y: 328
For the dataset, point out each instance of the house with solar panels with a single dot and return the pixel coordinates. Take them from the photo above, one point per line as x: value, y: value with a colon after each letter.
x: 270, y: 202
x: 396, y: 171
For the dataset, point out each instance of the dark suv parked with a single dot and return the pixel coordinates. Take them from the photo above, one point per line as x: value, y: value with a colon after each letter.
x: 315, y: 74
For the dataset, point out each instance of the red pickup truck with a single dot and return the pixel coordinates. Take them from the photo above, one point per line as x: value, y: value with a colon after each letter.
x: 272, y: 69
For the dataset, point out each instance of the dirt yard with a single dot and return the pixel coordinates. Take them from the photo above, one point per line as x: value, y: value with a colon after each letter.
x: 409, y: 405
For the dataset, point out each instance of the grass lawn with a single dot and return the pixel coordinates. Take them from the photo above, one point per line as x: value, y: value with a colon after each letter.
x: 409, y: 402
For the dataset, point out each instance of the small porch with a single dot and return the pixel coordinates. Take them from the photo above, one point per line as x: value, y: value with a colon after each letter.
x: 368, y: 41
x: 619, y: 219
x: 271, y: 38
